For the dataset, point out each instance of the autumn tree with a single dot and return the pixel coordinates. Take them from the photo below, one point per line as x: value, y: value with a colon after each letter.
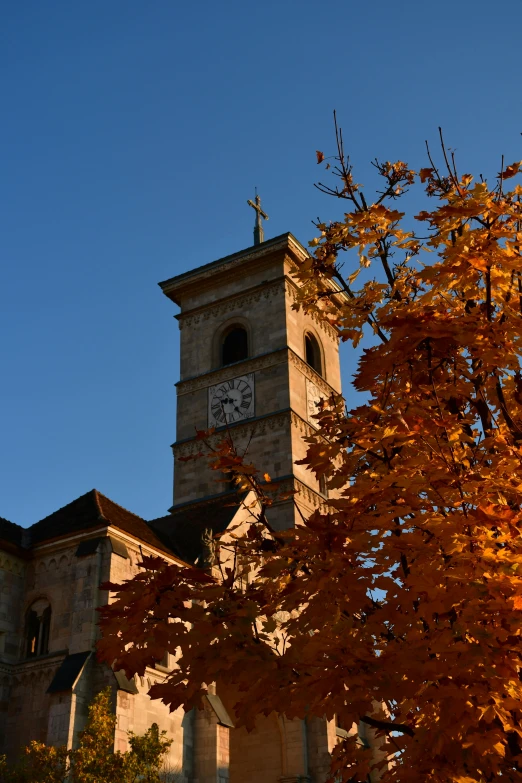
x: 94, y: 760
x: 399, y: 606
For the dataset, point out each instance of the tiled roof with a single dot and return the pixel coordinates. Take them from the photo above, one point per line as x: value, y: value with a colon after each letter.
x: 178, y: 533
x: 182, y: 529
x: 94, y: 510
x: 9, y: 531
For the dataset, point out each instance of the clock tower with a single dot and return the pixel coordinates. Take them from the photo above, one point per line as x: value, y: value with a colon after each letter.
x: 254, y: 365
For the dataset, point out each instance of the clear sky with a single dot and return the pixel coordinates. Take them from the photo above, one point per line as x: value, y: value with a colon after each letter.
x: 132, y: 134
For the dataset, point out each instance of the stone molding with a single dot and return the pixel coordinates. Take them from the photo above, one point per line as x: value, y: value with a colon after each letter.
x: 55, y: 561
x: 278, y: 420
x: 224, y: 373
x: 38, y: 667
x: 309, y: 496
x: 310, y: 373
x: 242, y: 300
x: 304, y: 427
x: 331, y: 331
x: 252, y: 365
x: 12, y: 564
x: 6, y: 672
x: 197, y: 278
x: 234, y: 302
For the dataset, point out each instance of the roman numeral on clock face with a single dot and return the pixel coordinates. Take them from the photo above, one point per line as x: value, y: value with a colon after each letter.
x: 231, y: 401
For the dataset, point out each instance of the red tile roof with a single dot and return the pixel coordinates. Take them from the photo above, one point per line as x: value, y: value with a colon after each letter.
x: 94, y: 510
x: 10, y: 531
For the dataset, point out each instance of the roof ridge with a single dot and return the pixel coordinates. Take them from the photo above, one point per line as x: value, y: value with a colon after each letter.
x: 98, y: 504
x: 8, y: 521
x: 90, y: 510
x: 66, y: 505
x: 101, y: 495
x: 12, y: 532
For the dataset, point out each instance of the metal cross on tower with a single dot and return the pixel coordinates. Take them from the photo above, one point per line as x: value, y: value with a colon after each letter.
x: 258, y: 226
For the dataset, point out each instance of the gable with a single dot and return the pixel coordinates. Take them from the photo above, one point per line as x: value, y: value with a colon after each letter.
x: 184, y: 526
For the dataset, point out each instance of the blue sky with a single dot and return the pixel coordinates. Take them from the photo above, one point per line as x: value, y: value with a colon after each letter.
x: 132, y: 134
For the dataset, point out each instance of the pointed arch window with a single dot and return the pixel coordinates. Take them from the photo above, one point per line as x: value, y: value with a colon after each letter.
x: 234, y: 345
x: 37, y: 629
x: 313, y: 353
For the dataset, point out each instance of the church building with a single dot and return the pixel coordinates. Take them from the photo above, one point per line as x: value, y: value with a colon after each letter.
x: 249, y: 362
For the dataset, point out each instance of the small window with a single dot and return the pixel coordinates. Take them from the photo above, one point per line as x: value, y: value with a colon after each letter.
x: 323, y: 489
x: 313, y: 353
x: 234, y: 347
x: 37, y: 629
x: 163, y: 663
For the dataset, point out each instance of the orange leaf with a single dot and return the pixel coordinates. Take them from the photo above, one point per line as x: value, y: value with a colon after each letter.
x: 510, y: 171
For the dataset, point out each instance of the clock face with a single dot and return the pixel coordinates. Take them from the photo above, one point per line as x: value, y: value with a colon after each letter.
x: 313, y: 398
x: 231, y: 401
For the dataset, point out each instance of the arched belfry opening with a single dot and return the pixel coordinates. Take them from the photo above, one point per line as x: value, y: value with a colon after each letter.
x: 37, y: 629
x: 234, y: 345
x: 313, y: 353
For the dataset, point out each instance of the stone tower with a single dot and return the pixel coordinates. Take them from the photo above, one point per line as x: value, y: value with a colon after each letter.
x: 252, y: 363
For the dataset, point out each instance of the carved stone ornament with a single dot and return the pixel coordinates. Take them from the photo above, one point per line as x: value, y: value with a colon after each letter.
x: 10, y: 563
x: 303, y: 493
x: 223, y: 373
x: 276, y: 422
x: 236, y: 302
x: 312, y: 375
x: 331, y: 331
x: 263, y: 362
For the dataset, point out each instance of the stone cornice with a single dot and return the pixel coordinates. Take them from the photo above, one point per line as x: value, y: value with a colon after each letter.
x: 255, y: 293
x: 11, y: 563
x: 310, y: 373
x: 292, y: 289
x: 340, y: 296
x: 282, y: 485
x: 67, y: 541
x: 232, y: 370
x: 281, y: 356
x: 302, y: 491
x: 240, y: 300
x: 261, y: 425
x: 148, y: 549
x: 244, y: 299
x: 198, y: 277
x: 34, y: 666
x: 272, y: 422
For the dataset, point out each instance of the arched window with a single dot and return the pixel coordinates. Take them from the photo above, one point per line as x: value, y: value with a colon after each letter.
x: 37, y: 628
x: 313, y: 353
x: 234, y: 347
